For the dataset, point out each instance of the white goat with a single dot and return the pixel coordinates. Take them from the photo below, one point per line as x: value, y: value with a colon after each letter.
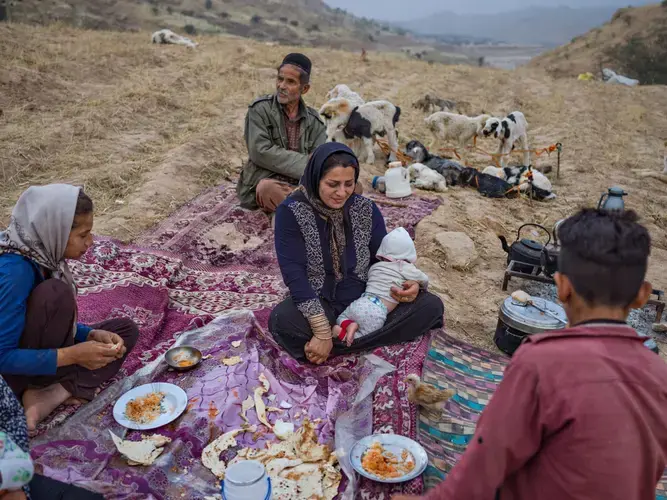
x: 342, y: 90
x: 427, y: 178
x: 168, y: 36
x: 511, y: 131
x: 461, y: 129
x: 347, y: 123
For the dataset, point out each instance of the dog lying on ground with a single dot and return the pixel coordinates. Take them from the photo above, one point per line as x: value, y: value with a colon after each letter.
x: 446, y: 167
x: 511, y: 131
x: 346, y: 123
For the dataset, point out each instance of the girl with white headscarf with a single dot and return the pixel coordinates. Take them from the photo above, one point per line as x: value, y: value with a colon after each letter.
x: 46, y: 356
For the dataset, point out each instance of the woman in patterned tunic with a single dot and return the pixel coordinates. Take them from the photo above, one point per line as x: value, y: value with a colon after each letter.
x: 46, y: 356
x: 326, y: 240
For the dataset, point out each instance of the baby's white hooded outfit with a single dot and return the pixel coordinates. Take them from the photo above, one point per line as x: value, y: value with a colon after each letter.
x: 398, y: 255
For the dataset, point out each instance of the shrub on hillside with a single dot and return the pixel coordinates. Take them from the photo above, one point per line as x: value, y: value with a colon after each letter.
x: 169, y: 10
x: 664, y: 3
x: 294, y: 23
x: 256, y: 19
x: 208, y: 4
x: 641, y: 59
x: 190, y: 29
x: 283, y: 19
x: 224, y: 15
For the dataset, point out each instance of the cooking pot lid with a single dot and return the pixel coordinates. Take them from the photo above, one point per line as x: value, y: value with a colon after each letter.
x: 532, y: 244
x: 531, y: 317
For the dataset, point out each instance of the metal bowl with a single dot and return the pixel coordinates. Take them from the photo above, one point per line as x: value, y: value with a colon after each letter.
x: 183, y: 358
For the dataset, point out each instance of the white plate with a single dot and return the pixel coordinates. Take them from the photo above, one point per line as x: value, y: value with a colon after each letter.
x: 394, y: 444
x: 174, y: 403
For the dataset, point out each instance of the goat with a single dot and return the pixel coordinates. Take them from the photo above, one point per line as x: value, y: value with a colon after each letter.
x: 345, y: 92
x: 346, y: 123
x: 168, y: 36
x: 454, y: 127
x: 446, y: 167
x: 510, y: 131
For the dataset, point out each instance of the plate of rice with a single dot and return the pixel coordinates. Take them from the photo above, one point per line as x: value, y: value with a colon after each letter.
x: 388, y: 458
x: 150, y: 406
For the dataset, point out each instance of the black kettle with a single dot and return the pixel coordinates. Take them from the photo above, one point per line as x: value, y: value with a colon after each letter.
x: 525, y: 251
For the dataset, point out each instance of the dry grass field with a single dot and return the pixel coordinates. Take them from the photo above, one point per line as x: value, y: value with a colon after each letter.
x: 145, y: 128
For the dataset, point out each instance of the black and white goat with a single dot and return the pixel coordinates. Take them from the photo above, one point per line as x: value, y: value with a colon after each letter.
x: 511, y: 131
x: 449, y: 169
x: 521, y: 177
x: 168, y: 36
x: 348, y: 124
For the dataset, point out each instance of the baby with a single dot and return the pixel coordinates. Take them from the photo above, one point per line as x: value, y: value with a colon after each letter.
x: 368, y: 313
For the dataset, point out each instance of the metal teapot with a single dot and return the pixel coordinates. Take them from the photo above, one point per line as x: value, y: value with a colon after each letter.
x: 524, y: 251
x: 612, y: 200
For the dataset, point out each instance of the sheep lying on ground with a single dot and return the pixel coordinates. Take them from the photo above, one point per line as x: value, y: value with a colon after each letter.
x: 446, y: 167
x: 519, y: 176
x: 346, y: 123
x: 345, y: 92
x: 426, y: 178
x: 168, y: 36
x: 511, y: 131
x: 461, y: 129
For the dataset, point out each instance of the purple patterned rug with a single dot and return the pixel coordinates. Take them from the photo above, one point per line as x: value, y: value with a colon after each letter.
x: 214, y: 229
x: 208, y: 258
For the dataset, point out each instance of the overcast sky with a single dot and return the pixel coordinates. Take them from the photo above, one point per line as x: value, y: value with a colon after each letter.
x: 396, y: 10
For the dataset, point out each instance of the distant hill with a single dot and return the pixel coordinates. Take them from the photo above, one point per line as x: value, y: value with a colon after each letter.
x: 547, y: 26
x: 298, y: 22
x: 634, y: 41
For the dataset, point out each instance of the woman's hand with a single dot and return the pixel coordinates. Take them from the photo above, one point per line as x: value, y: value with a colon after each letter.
x: 317, y: 351
x: 109, y: 338
x: 407, y: 294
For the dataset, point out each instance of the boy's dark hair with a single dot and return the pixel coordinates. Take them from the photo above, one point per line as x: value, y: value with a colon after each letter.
x: 604, y: 255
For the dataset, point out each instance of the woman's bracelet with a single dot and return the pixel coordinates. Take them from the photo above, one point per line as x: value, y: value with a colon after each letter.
x: 320, y: 327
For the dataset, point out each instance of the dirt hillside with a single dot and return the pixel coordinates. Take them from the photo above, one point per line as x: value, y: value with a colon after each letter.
x: 146, y: 127
x: 588, y: 52
x: 303, y: 22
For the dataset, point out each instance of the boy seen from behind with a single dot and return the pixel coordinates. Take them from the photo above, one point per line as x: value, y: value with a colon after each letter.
x: 581, y: 414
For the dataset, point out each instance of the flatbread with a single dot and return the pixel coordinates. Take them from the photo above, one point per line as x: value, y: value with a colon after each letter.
x: 291, y: 465
x: 234, y: 360
x: 260, y: 407
x: 277, y: 465
x: 143, y: 452
x: 248, y: 403
x: 210, y: 457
